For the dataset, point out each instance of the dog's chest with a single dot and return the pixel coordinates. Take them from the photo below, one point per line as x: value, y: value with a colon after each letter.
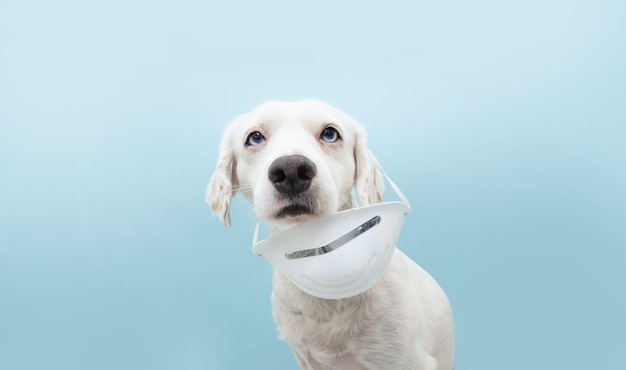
x: 317, y: 344
x: 327, y: 334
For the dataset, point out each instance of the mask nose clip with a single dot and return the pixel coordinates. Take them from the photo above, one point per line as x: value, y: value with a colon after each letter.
x: 337, y: 243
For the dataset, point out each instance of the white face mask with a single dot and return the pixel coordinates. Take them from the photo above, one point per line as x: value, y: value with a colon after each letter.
x: 340, y: 255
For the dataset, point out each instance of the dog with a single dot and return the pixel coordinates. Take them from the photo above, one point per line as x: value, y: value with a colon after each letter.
x: 297, y: 161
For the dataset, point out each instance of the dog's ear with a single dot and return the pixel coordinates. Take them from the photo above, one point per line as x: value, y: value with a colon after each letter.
x: 223, y: 185
x: 368, y: 182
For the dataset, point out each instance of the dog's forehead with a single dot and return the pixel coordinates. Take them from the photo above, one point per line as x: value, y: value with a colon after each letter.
x: 305, y: 114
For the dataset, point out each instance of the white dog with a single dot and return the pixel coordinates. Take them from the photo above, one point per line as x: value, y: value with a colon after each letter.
x: 298, y: 161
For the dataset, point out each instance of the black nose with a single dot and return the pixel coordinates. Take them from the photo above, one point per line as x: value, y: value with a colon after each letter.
x: 292, y: 174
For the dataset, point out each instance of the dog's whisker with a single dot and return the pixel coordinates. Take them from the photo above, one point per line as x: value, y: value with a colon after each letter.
x: 242, y: 188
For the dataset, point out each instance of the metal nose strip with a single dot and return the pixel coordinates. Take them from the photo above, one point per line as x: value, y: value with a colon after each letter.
x: 337, y: 243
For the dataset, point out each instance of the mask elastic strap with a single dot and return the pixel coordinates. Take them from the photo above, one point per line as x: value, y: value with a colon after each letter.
x: 398, y: 191
x: 394, y: 187
x: 255, y: 237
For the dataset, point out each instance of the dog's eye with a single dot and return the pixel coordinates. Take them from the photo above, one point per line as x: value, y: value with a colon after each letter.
x: 255, y: 138
x: 330, y: 135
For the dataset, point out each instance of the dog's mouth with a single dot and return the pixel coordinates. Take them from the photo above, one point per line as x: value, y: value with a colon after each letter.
x: 294, y: 210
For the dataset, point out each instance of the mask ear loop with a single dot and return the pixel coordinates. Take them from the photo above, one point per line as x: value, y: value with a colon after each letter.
x: 255, y: 237
x: 394, y: 187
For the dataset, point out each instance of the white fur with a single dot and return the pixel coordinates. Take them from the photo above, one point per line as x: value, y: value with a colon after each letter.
x: 402, y: 322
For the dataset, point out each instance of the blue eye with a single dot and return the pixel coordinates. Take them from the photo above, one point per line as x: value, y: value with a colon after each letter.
x: 330, y: 135
x: 255, y: 138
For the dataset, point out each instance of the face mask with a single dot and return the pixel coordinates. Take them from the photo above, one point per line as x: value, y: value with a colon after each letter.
x: 340, y: 255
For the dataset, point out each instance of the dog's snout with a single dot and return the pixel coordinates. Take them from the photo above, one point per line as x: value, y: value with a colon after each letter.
x: 292, y: 174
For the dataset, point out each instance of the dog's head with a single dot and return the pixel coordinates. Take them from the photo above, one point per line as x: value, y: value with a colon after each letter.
x: 294, y: 162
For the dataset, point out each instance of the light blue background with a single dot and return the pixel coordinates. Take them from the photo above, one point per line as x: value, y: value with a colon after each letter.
x: 503, y: 122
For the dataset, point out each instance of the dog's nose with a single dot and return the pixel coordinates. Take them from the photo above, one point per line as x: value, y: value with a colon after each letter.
x: 292, y: 174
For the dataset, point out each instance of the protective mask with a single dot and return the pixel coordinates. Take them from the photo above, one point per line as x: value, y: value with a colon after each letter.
x: 340, y: 255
